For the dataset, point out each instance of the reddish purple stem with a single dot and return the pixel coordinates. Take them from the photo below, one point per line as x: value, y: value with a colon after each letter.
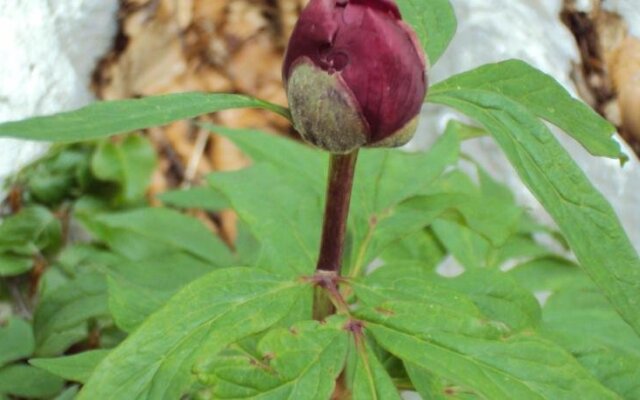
x: 340, y: 183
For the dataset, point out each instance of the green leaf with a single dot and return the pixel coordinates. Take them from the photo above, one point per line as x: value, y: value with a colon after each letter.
x: 291, y: 184
x: 441, y: 331
x: 283, y: 218
x: 433, y: 387
x: 543, y: 96
x: 484, y: 292
x: 68, y: 394
x: 137, y: 289
x: 371, y: 381
x: 466, y: 131
x: 32, y: 230
x: 385, y: 183
x: 79, y: 258
x: 29, y: 382
x: 292, y: 189
x: 76, y: 368
x: 584, y: 216
x: 488, y: 209
x: 499, y: 297
x: 493, y: 212
x: 580, y: 319
x: 302, y: 362
x: 109, y: 118
x: 455, y: 181
x: 149, y: 232
x: 522, y: 366
x: 203, y: 198
x: 386, y: 177
x: 63, y: 313
x: 517, y: 248
x: 433, y: 21
x: 285, y: 189
x: 129, y: 164
x: 60, y: 174
x: 17, y: 341
x: 410, y: 283
x: 546, y: 273
x: 202, y: 319
x: 292, y: 158
x: 12, y: 265
x: 486, y: 214
x: 396, y: 223
x: 421, y: 246
x: 467, y: 246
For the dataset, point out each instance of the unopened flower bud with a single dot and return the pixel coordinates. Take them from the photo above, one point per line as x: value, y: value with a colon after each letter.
x: 355, y: 75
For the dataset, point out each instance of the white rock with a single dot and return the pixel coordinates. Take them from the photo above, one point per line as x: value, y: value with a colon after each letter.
x: 495, y: 30
x: 49, y: 50
x: 629, y: 10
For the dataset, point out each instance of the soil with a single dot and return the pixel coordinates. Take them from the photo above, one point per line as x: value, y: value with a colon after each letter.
x: 608, y: 77
x: 168, y: 46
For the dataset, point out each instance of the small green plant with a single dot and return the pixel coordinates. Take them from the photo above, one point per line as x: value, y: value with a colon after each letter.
x: 152, y: 305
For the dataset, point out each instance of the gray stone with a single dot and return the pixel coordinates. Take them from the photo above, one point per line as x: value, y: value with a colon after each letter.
x: 49, y: 51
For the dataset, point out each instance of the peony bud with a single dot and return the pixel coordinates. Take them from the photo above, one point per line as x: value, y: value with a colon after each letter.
x: 355, y: 75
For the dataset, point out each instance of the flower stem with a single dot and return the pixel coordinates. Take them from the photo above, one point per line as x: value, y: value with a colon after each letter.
x: 340, y: 182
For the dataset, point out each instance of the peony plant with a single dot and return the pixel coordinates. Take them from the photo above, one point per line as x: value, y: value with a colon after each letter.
x: 357, y: 304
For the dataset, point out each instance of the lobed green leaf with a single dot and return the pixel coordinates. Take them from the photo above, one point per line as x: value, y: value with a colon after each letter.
x: 382, y: 202
x: 584, y: 216
x: 469, y: 342
x: 371, y: 381
x: 201, y: 320
x: 302, y: 362
x: 290, y: 180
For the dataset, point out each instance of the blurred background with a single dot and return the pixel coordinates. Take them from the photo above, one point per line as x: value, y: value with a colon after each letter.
x: 60, y: 55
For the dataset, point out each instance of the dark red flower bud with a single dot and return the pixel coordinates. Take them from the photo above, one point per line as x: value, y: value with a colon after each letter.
x: 355, y: 75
